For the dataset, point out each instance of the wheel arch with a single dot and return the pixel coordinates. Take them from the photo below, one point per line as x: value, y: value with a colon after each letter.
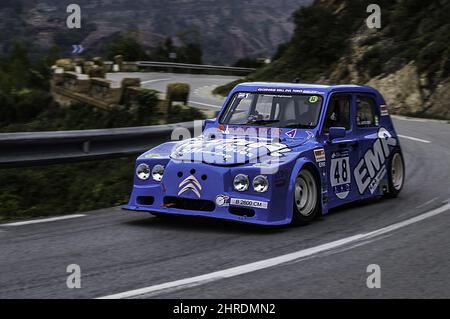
x: 300, y: 164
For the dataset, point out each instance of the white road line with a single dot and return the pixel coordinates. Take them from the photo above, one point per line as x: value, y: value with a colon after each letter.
x: 426, y: 203
x: 156, y: 80
x: 416, y: 119
x: 205, y: 104
x: 267, y: 263
x: 414, y: 138
x: 43, y: 220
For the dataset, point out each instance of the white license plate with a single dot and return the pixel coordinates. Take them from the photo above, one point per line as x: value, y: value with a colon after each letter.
x: 248, y: 203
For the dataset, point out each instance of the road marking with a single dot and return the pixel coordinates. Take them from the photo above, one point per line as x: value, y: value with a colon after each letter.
x: 156, y: 80
x: 414, y: 138
x: 43, y: 220
x: 268, y: 263
x: 416, y: 119
x: 426, y: 203
x: 205, y: 104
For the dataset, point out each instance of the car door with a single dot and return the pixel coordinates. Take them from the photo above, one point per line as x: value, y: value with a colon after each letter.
x: 341, y: 153
x: 370, y: 169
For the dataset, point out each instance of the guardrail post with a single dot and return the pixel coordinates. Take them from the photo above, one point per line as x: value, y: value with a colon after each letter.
x: 86, y: 147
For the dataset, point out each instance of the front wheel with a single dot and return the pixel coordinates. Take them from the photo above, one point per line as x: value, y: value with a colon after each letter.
x: 159, y: 215
x: 306, y: 198
x: 396, y: 174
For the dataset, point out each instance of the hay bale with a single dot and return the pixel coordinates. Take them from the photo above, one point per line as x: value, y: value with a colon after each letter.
x: 78, y: 62
x: 126, y: 82
x: 118, y: 59
x: 66, y: 64
x: 98, y: 61
x: 178, y: 92
x: 96, y: 72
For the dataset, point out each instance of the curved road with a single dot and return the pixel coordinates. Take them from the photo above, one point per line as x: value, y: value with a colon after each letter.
x: 119, y: 251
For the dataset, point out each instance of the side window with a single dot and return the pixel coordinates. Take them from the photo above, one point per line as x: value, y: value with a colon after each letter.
x: 366, y: 112
x: 338, y: 113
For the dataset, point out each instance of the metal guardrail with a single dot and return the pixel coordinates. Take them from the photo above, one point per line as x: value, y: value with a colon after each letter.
x: 41, y: 148
x: 173, y: 65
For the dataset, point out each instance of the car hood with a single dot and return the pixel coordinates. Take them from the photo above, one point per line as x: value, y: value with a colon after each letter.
x: 235, y: 149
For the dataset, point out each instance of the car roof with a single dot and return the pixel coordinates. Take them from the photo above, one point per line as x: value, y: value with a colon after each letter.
x: 321, y: 88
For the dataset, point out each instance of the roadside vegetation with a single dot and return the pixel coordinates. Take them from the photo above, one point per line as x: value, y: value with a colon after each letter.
x: 127, y: 45
x: 332, y: 44
x: 27, y: 105
x: 64, y: 188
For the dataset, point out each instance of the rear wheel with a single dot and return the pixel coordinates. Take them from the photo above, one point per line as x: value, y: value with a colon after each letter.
x: 306, y: 198
x: 396, y: 174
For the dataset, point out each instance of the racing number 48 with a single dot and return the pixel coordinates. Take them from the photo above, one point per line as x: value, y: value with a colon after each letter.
x: 340, y: 170
x: 337, y: 174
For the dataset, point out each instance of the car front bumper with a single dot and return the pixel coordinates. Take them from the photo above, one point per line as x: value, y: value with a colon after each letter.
x: 249, y: 206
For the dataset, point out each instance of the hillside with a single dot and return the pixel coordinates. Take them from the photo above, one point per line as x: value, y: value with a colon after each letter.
x: 408, y: 59
x: 228, y: 30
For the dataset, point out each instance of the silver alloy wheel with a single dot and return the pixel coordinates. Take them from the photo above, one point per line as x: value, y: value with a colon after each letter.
x: 305, y: 193
x: 397, y: 171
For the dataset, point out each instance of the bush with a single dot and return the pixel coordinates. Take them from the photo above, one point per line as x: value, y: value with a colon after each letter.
x: 127, y: 46
x: 249, y: 63
x: 183, y: 114
x: 223, y: 90
x: 65, y: 188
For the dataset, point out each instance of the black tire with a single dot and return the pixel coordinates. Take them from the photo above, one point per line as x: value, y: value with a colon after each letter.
x: 306, y: 206
x: 159, y: 215
x: 395, y: 186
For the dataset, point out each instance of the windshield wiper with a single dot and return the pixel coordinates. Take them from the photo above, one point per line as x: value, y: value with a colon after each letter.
x: 263, y: 121
x: 298, y: 125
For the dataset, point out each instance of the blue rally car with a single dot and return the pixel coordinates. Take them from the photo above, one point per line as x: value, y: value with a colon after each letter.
x: 278, y: 153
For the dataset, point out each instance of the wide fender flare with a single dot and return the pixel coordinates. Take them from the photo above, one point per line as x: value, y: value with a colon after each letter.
x: 299, y: 164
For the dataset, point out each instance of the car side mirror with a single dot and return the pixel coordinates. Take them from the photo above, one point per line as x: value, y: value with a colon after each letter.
x: 336, y: 132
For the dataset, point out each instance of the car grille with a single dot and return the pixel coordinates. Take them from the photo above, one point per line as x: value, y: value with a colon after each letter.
x: 189, y: 204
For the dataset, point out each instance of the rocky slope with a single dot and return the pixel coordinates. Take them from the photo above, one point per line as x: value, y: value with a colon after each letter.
x: 228, y: 30
x: 408, y: 59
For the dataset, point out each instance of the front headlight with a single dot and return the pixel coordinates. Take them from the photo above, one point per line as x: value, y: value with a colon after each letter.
x: 240, y: 182
x: 260, y: 184
x: 143, y: 172
x: 157, y: 172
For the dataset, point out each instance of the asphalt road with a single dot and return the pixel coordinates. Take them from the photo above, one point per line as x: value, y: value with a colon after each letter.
x: 120, y: 251
x: 201, y: 85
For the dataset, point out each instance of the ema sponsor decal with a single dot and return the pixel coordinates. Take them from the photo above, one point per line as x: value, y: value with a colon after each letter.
x: 371, y: 168
x: 384, y: 110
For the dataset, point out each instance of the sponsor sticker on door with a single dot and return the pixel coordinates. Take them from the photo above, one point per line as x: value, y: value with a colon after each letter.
x: 319, y: 154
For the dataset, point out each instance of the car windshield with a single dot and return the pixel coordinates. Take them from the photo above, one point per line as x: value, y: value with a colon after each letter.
x: 282, y: 111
